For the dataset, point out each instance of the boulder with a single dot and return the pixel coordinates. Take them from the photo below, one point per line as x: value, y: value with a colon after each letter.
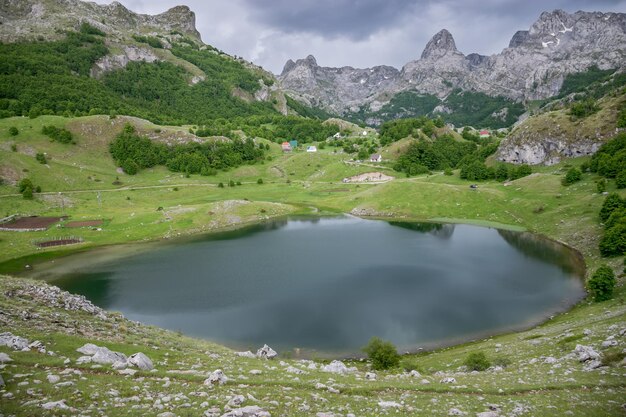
x: 448, y: 380
x: 88, y: 349
x: 14, y: 342
x: 105, y: 356
x: 55, y: 405
x: 249, y: 411
x: 370, y: 376
x: 141, y: 361
x: 586, y: 353
x: 236, y: 401
x: 4, y: 358
x: 217, y: 377
x: 266, y: 352
x: 336, y: 367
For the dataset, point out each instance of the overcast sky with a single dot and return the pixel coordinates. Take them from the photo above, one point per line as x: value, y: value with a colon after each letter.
x: 360, y: 33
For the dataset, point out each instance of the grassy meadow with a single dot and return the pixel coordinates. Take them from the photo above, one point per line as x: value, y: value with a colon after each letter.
x: 81, y: 181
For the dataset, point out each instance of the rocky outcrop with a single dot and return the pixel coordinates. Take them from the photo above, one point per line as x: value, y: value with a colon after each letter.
x: 336, y: 89
x: 532, y: 67
x: 27, y: 19
x: 117, y: 61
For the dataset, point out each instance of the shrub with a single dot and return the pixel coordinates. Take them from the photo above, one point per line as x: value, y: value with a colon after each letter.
x: 447, y: 171
x: 581, y: 109
x: 612, y: 202
x: 602, y: 283
x: 41, y: 158
x: 573, y: 175
x: 130, y: 167
x: 13, y: 131
x: 601, y: 185
x: 27, y: 193
x: 259, y: 181
x: 613, y: 242
x: 25, y: 183
x: 620, y: 179
x: 58, y: 134
x: 477, y: 361
x: 220, y: 185
x: 383, y: 354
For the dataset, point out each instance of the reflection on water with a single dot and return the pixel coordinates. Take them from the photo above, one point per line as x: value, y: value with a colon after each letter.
x: 331, y: 284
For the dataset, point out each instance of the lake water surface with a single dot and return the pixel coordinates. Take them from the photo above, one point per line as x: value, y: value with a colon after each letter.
x: 329, y: 284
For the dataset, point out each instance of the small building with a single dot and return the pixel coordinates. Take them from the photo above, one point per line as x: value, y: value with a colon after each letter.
x: 286, y: 147
x: 293, y: 143
x: 484, y: 134
x: 376, y: 158
x: 364, y: 133
x: 311, y: 148
x: 337, y: 135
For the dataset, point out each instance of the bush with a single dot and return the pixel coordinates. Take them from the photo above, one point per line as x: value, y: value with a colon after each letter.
x: 129, y: 167
x: 24, y: 184
x: 58, y: 134
x: 601, y: 185
x: 220, y: 185
x: 477, y: 361
x: 27, y: 193
x: 620, y: 179
x: 602, y: 283
x: 573, y: 175
x: 13, y: 131
x: 613, y: 242
x: 259, y: 181
x: 41, y: 158
x: 612, y: 202
x: 383, y: 354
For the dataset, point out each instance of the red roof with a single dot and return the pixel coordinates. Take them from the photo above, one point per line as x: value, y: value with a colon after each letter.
x: 484, y: 132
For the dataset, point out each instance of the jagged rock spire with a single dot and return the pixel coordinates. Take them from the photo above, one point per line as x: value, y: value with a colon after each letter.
x: 440, y: 44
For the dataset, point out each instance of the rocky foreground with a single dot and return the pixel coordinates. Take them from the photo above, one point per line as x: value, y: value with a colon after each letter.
x: 61, y: 355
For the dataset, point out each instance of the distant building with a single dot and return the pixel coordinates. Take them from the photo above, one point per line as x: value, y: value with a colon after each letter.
x: 337, y: 135
x: 286, y: 147
x: 311, y: 148
x: 364, y: 133
x: 376, y: 158
x: 484, y: 134
x: 293, y: 143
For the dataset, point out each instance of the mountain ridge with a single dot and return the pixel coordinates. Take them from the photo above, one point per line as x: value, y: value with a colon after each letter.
x: 532, y: 67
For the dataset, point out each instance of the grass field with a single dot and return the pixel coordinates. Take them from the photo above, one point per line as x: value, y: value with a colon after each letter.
x: 538, y: 377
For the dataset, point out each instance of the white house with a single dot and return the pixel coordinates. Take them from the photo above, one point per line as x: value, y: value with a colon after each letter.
x: 364, y: 133
x: 376, y: 158
x: 311, y: 148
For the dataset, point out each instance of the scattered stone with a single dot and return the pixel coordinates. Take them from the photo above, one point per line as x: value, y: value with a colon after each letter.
x: 4, y: 358
x: 255, y: 372
x: 246, y: 354
x: 141, y: 361
x: 337, y: 367
x: 1, y: 381
x: 217, y: 377
x: 249, y: 411
x: 456, y: 412
x: 293, y: 370
x: 370, y: 376
x: 54, y: 297
x: 14, y: 342
x: 166, y: 414
x: 550, y: 360
x: 448, y: 380
x: 53, y: 405
x: 415, y: 374
x: 266, y: 352
x: 389, y: 404
x: 592, y: 364
x: 586, y: 353
x: 236, y: 401
x: 53, y: 379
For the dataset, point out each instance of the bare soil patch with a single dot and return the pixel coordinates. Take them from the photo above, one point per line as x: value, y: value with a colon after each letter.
x: 30, y: 223
x: 58, y: 242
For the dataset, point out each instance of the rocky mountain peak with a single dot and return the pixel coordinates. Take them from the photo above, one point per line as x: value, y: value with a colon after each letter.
x: 289, y: 65
x: 310, y: 61
x: 440, y: 44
